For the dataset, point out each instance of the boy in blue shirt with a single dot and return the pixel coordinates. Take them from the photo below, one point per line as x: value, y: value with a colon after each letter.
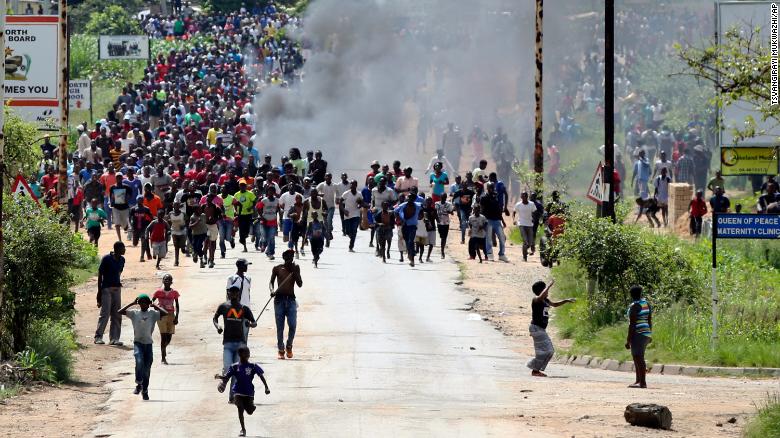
x: 243, y: 371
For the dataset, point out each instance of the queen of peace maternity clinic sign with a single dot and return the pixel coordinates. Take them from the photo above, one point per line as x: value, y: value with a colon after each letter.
x: 748, y: 226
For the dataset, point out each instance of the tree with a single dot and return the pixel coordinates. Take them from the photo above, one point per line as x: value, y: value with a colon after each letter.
x: 112, y: 20
x: 80, y: 14
x: 21, y: 155
x: 740, y: 70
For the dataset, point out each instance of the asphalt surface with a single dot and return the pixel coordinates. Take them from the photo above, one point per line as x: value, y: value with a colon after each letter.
x: 381, y: 350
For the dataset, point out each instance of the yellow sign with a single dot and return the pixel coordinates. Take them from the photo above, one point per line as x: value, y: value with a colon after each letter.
x: 749, y: 161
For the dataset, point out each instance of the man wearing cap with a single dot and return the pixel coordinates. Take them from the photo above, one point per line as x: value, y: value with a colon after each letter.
x: 286, y: 276
x: 374, y: 170
x: 244, y: 200
x: 242, y: 281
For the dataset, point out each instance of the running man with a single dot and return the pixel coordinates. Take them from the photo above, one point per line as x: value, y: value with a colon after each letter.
x: 168, y: 299
x: 286, y: 276
x: 143, y: 321
x: 242, y: 373
x: 236, y: 317
x: 543, y: 346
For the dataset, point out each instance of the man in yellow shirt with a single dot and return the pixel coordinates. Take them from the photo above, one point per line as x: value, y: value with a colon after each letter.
x: 244, y: 200
x: 214, y: 131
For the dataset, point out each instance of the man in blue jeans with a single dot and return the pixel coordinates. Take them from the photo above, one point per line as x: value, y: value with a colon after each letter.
x: 409, y: 213
x: 491, y: 209
x: 350, y: 203
x: 286, y: 276
x: 235, y: 316
x: 144, y: 321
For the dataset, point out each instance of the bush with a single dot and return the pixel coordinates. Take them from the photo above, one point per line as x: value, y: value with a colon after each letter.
x: 619, y: 256
x: 57, y: 341
x: 40, y: 254
x: 35, y: 365
x: 112, y: 20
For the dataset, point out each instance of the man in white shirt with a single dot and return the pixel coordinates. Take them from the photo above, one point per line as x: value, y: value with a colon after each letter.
x: 243, y: 281
x: 663, y: 163
x: 440, y: 158
x: 83, y: 141
x: 524, y: 212
x: 330, y: 195
x: 661, y: 184
x: 351, y: 203
x: 285, y: 202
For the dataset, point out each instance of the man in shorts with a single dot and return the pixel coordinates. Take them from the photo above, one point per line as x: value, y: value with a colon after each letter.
x: 178, y: 223
x: 168, y: 299
x: 243, y: 372
x: 157, y: 234
x: 213, y: 208
x: 119, y: 196
x: 95, y: 216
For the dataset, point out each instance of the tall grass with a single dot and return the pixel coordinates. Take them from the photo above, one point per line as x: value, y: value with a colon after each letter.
x: 57, y: 341
x: 766, y: 424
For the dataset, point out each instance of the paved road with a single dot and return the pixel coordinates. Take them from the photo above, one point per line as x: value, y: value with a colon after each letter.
x: 383, y: 350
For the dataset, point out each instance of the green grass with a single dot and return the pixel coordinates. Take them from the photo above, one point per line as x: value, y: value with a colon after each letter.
x: 766, y: 424
x: 83, y: 274
x: 9, y: 390
x: 681, y: 333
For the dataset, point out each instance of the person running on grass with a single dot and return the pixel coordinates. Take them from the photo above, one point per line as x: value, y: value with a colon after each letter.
x: 95, y: 217
x: 143, y: 321
x: 236, y: 318
x: 157, y: 234
x: 286, y: 276
x: 243, y: 372
x: 543, y: 346
x: 168, y: 299
x: 640, y: 325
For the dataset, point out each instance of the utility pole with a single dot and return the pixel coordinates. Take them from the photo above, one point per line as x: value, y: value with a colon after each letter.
x: 3, y: 13
x: 608, y: 206
x: 62, y: 188
x: 538, y: 134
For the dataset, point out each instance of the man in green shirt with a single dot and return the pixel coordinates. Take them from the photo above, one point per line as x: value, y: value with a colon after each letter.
x: 155, y: 107
x: 244, y: 200
x: 716, y: 181
x: 226, y: 224
x: 192, y: 116
x: 94, y: 216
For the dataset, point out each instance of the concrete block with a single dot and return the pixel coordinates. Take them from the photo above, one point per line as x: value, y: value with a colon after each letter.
x: 673, y: 370
x: 776, y: 372
x: 610, y: 365
x: 752, y: 371
x: 571, y: 360
x: 582, y: 361
x: 691, y: 371
x: 656, y: 368
x: 596, y: 362
x: 627, y: 367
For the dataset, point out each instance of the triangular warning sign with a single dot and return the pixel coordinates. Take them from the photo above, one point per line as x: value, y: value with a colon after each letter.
x: 596, y: 188
x: 20, y: 187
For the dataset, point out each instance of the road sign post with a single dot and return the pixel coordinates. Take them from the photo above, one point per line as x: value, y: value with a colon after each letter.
x: 737, y: 226
x: 596, y: 190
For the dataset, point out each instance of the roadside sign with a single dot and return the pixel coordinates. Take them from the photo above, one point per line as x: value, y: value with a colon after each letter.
x: 747, y: 226
x: 20, y: 187
x: 80, y: 94
x: 32, y: 71
x: 749, y: 161
x: 123, y: 47
x: 596, y: 188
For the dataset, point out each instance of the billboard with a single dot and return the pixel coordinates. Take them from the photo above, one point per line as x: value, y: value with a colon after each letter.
x: 745, y: 15
x: 32, y: 70
x: 32, y: 58
x: 123, y: 47
x: 748, y: 161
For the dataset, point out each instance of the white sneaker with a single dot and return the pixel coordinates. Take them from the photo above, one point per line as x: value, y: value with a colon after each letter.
x: 491, y: 258
x: 503, y: 258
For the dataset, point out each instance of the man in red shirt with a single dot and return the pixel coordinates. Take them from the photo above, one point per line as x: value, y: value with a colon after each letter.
x: 49, y: 181
x: 168, y: 299
x: 697, y: 209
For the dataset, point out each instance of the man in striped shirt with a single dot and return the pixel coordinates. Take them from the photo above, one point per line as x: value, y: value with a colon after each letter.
x: 639, y: 334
